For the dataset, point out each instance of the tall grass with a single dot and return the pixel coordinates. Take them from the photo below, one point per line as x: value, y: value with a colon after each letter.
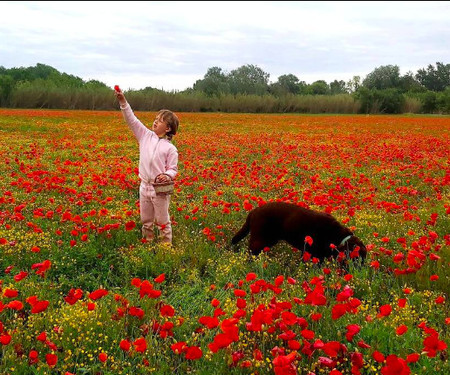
x: 30, y: 95
x: 53, y: 97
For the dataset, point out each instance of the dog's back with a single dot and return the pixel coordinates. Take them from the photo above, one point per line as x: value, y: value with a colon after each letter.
x: 277, y: 221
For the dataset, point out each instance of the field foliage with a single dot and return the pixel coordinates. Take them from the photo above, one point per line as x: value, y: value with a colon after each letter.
x: 81, y: 293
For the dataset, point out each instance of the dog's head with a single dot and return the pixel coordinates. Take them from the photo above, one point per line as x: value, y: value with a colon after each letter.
x: 354, y: 248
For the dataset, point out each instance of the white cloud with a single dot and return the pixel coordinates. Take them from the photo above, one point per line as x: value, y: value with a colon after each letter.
x: 172, y: 44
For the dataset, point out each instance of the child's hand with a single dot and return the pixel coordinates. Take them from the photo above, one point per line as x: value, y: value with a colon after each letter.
x: 163, y: 178
x: 119, y: 95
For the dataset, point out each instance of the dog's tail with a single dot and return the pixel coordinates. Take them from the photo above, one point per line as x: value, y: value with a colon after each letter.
x: 242, y: 232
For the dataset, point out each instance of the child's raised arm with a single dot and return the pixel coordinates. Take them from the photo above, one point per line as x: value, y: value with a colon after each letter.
x: 137, y: 127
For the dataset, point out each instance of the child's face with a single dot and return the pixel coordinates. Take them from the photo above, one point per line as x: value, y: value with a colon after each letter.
x: 160, y: 127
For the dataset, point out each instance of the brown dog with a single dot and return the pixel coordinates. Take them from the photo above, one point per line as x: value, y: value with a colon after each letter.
x: 276, y: 221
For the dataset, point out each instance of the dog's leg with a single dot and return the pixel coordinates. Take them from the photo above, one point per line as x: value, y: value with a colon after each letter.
x: 242, y: 232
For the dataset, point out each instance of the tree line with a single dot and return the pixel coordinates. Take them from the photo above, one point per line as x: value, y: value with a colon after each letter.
x: 245, y: 89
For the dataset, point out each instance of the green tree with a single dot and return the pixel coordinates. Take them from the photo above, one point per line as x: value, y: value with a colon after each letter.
x: 6, y: 87
x: 319, y: 87
x: 380, y: 101
x: 443, y: 100
x: 383, y: 77
x: 435, y: 78
x: 286, y: 84
x: 214, y: 83
x: 94, y: 84
x: 410, y: 84
x: 353, y: 84
x: 249, y: 79
x: 42, y: 71
x: 338, y: 87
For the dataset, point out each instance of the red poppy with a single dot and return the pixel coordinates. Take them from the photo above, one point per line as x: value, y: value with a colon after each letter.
x: 136, y: 282
x: 306, y: 256
x: 125, y: 345
x: 5, y: 339
x: 10, y: 293
x: 247, y: 205
x: 289, y: 318
x: 294, y: 345
x: 279, y: 280
x: 193, y: 353
x: 140, y: 345
x: 348, y: 277
x: 308, y: 334
x: 433, y: 256
x: 145, y: 287
x: 315, y: 317
x: 412, y: 358
x: 287, y: 335
x: 362, y: 344
x: 159, y: 279
x: 357, y: 362
x: 240, y: 293
x: 41, y: 268
x: 439, y: 300
x: 221, y: 340
x: 352, y: 330
x: 39, y: 306
x: 395, y: 366
x: 117, y: 88
x: 327, y: 362
x: 33, y: 357
x: 309, y: 240
x: 97, y: 294
x: 338, y: 310
x: 51, y: 359
x: 167, y: 310
x: 316, y: 296
x: 20, y: 276
x: 384, y: 310
x: 346, y: 293
x: 15, y: 305
x: 179, y: 347
x: 130, y: 225
x: 102, y: 357
x: 401, y: 330
x: 73, y: 296
x: 257, y: 355
x: 136, y: 311
x: 35, y: 249
x: 432, y: 344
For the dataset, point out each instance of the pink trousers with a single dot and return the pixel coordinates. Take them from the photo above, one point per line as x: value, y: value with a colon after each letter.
x: 154, y: 210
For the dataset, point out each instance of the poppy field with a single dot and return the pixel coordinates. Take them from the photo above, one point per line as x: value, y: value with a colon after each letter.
x: 82, y: 293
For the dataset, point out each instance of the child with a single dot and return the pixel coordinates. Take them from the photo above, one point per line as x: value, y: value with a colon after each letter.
x: 158, y: 162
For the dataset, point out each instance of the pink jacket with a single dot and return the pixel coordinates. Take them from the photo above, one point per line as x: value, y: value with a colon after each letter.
x: 156, y: 155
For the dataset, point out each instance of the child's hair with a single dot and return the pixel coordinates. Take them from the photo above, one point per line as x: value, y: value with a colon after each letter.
x: 171, y: 120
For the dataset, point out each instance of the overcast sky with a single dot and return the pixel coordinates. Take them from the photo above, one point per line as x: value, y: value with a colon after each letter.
x: 169, y: 45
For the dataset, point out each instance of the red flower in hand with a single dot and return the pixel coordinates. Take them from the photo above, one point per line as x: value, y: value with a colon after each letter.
x: 117, y: 88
